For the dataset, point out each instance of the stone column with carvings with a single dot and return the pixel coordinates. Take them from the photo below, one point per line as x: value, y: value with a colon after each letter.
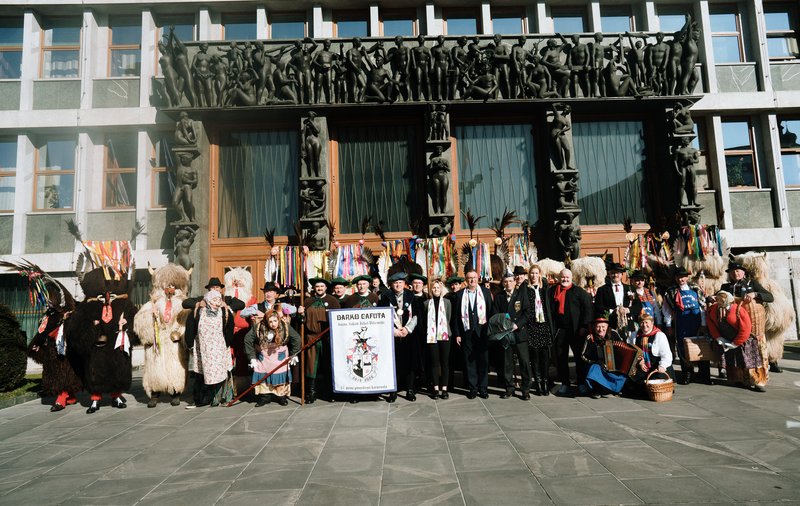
x: 439, y: 195
x: 565, y: 178
x: 314, y: 180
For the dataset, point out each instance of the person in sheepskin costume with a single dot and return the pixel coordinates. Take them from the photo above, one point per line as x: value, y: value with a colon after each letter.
x: 160, y: 325
x: 239, y: 285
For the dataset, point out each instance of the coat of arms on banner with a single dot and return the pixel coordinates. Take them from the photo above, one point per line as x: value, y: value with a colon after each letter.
x: 362, y: 357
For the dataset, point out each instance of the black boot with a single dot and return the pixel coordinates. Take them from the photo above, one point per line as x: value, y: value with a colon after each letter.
x: 311, y: 392
x: 704, y: 373
x: 262, y: 400
x: 282, y: 400
x: 411, y: 396
x: 392, y: 397
x: 774, y: 367
x: 543, y: 388
x: 687, y: 372
x: 153, y: 401
x: 176, y: 400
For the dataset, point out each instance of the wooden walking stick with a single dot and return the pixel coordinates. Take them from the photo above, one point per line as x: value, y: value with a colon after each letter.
x: 286, y: 361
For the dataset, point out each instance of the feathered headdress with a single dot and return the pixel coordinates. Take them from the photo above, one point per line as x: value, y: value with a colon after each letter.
x: 40, y: 285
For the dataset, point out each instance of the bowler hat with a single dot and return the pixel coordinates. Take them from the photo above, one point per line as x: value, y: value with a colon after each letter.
x: 732, y: 266
x: 214, y: 282
x: 520, y: 271
x: 269, y: 286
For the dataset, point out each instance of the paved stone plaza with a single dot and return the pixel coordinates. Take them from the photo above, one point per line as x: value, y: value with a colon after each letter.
x: 710, y: 444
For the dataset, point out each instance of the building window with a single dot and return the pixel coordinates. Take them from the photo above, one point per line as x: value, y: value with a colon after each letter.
x: 569, y: 20
x: 287, y: 26
x: 612, y: 188
x: 10, y: 48
x: 162, y: 174
x: 398, y: 23
x: 239, y: 26
x: 119, y: 170
x: 740, y: 159
x: 184, y: 27
x: 258, y: 183
x: 671, y: 18
x: 461, y: 23
x: 55, y: 174
x: 8, y: 172
x: 125, y: 48
x: 726, y: 35
x: 617, y: 19
x: 496, y: 171
x: 347, y: 25
x: 509, y: 22
x: 699, y: 143
x: 376, y: 177
x: 61, y: 47
x: 790, y: 151
x: 782, y: 23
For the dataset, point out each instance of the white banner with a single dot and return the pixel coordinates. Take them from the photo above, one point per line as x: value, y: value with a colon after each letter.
x: 362, y: 350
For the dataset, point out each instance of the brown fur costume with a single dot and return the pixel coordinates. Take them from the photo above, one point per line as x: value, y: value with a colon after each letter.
x: 91, y: 340
x: 165, y: 355
x: 58, y: 372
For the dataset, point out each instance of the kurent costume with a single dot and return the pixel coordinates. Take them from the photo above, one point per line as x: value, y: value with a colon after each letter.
x: 472, y: 309
x: 683, y: 309
x: 160, y: 325
x: 540, y: 334
x: 266, y: 350
x: 743, y: 355
x: 98, y: 340
x: 517, y: 305
x: 317, y: 362
x: 405, y: 309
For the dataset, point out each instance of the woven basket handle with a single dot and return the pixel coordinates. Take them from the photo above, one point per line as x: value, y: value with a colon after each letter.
x: 655, y: 371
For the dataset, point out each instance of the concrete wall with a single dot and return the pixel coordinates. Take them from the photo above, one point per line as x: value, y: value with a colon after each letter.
x: 110, y: 226
x: 47, y: 233
x: 752, y: 209
x: 115, y: 93
x: 9, y: 95
x: 57, y: 94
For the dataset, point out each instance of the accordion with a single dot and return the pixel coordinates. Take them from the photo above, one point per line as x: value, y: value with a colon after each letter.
x: 619, y: 356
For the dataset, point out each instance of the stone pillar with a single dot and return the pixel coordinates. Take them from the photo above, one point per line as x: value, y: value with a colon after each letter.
x: 439, y: 194
x: 314, y: 180
x: 565, y: 181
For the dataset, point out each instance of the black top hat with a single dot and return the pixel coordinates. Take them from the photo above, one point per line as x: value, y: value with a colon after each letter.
x: 414, y: 277
x: 269, y: 286
x: 214, y: 282
x: 520, y: 270
x: 638, y: 274
x: 680, y: 272
x: 732, y: 266
x: 614, y: 267
x: 314, y: 281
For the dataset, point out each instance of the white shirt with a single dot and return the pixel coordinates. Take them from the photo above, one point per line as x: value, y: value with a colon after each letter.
x: 660, y: 348
x: 619, y: 293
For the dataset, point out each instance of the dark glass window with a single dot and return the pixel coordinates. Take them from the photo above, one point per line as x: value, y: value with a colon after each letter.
x: 567, y: 21
x: 616, y: 19
x: 508, y: 23
x: 783, y: 25
x: 10, y: 47
x: 790, y: 150
x: 461, y: 23
x: 239, y: 26
x: 120, y: 170
x: 287, y: 26
x: 740, y: 160
x: 8, y: 167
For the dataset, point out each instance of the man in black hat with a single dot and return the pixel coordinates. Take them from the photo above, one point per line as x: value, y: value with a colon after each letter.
x: 684, y: 316
x: 316, y: 320
x: 644, y: 299
x: 406, y: 349
x: 418, y: 282
x: 520, y: 277
x: 515, y: 303
x: 271, y: 291
x: 472, y: 308
x: 613, y: 298
x: 749, y: 290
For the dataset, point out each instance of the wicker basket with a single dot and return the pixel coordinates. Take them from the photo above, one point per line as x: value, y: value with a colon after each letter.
x: 659, y: 392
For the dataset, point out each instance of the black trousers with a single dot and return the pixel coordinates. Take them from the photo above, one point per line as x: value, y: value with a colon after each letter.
x: 438, y: 363
x: 565, y: 340
x: 405, y: 362
x: 540, y: 363
x: 520, y: 349
x: 476, y: 361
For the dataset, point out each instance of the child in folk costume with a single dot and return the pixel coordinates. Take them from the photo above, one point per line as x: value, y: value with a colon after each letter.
x: 437, y: 337
x: 268, y: 344
x: 743, y: 356
x: 656, y: 352
x: 160, y: 325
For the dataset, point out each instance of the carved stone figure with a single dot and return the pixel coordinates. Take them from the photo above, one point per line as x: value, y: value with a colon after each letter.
x: 380, y: 86
x: 482, y: 87
x: 442, y: 229
x: 458, y: 69
x: 203, y: 77
x: 400, y: 61
x: 569, y: 237
x: 681, y: 118
x: 284, y: 85
x: 244, y: 89
x: 567, y: 186
x: 184, y: 238
x: 578, y: 63
x: 300, y: 62
x: 184, y: 131
x: 636, y: 59
x: 186, y: 183
x: 501, y: 61
x: 171, y: 77
x: 597, y: 53
x: 439, y: 176
x: 519, y: 70
x: 354, y: 64
x: 686, y: 158
x: 317, y: 236
x: 312, y: 146
x: 180, y: 60
x: 421, y: 69
x: 220, y: 69
x: 551, y: 58
x: 657, y: 56
x: 561, y: 145
x: 689, y: 57
x: 440, y: 68
x: 540, y: 83
x: 439, y: 123
x: 322, y: 64
x: 312, y: 199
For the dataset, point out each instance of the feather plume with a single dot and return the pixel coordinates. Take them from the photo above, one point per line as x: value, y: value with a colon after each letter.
x: 472, y: 221
x: 627, y: 224
x: 137, y: 229
x: 379, y: 231
x: 365, y: 221
x: 74, y: 230
x: 269, y: 236
x: 500, y: 224
x: 41, y: 284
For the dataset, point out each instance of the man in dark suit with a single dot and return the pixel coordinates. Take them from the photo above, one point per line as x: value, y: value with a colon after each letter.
x: 572, y: 313
x: 472, y: 308
x: 404, y: 312
x: 613, y: 295
x: 515, y: 303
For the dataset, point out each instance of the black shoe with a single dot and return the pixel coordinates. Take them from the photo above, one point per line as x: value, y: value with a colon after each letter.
x: 483, y: 395
x: 119, y: 403
x: 392, y: 397
x: 723, y: 374
x: 526, y: 396
x: 544, y: 389
x: 411, y: 396
x: 263, y: 400
x: 504, y: 395
x: 283, y: 401
x: 688, y: 374
x: 774, y: 367
x: 434, y: 394
x: 176, y: 400
x: 472, y: 395
x: 444, y: 395
x: 759, y: 388
x: 93, y: 408
x: 152, y: 402
x: 56, y: 407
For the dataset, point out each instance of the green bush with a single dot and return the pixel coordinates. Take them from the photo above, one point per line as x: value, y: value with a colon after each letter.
x: 13, y: 358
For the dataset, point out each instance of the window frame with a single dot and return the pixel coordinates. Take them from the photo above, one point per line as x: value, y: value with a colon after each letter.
x: 789, y: 150
x: 617, y: 11
x: 44, y: 172
x: 729, y: 9
x: 794, y: 21
x: 742, y: 152
x: 399, y: 14
x: 14, y: 49
x: 8, y: 171
x: 510, y: 12
x: 292, y: 16
x: 226, y: 17
x: 462, y: 13
x: 157, y: 168
x: 162, y: 31
x: 124, y: 47
x: 570, y: 11
x: 44, y: 48
x: 116, y: 170
x: 348, y: 15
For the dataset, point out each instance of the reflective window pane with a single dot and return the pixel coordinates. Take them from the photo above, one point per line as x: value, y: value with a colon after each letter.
x: 724, y: 22
x: 781, y: 47
x: 184, y: 28
x: 165, y: 186
x: 58, y: 155
x: 126, y: 32
x: 121, y: 151
x: 394, y: 27
x: 507, y: 25
x: 570, y: 23
x: 789, y: 130
x: 125, y: 62
x: 120, y: 189
x: 8, y: 153
x: 11, y: 31
x: 726, y: 49
x: 740, y: 170
x: 240, y: 29
x: 351, y: 28
x: 10, y: 64
x: 62, y: 32
x: 736, y: 135
x: 778, y: 21
x: 61, y: 64
x: 791, y: 168
x: 616, y: 24
x: 287, y: 29
x: 55, y: 191
x: 671, y: 23
x: 462, y: 26
x: 7, y: 186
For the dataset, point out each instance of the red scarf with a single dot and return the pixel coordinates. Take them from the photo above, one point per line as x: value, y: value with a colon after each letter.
x: 561, y: 297
x: 643, y: 340
x: 678, y: 299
